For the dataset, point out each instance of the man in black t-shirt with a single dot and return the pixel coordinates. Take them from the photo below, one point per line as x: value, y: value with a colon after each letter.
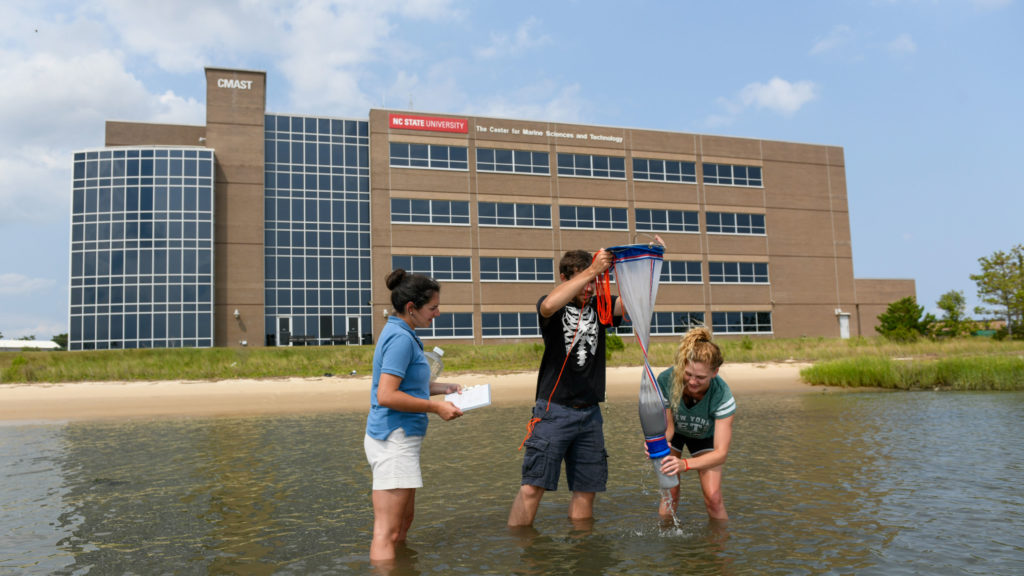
x: 567, y: 422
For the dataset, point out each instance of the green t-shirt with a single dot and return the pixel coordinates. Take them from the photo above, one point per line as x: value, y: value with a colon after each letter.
x: 699, y: 421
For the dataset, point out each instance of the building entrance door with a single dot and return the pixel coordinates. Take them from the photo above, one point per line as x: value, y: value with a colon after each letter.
x: 353, y: 331
x: 844, y: 326
x: 284, y: 330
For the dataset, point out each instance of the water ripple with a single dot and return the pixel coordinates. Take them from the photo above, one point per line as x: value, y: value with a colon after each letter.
x: 865, y: 483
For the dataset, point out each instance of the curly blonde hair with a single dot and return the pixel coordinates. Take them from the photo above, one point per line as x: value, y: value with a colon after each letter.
x: 696, y: 346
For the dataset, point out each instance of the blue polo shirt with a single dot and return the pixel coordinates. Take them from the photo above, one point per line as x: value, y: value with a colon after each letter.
x: 399, y: 352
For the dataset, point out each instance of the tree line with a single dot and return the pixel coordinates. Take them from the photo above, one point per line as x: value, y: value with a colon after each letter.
x: 1000, y: 286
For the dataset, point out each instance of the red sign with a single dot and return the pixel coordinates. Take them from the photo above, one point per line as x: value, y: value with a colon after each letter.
x: 429, y: 123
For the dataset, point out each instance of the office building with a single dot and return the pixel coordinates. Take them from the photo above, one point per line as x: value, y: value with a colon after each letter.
x: 269, y: 229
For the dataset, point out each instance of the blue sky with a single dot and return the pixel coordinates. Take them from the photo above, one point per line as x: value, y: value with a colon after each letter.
x: 924, y: 96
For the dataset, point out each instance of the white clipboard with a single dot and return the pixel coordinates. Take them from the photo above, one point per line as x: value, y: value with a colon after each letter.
x: 472, y: 397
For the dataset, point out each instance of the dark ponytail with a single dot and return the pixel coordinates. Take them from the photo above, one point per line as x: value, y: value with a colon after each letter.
x: 407, y: 287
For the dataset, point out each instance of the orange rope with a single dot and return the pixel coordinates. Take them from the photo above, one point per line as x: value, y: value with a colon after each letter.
x: 533, y: 421
x: 603, y: 291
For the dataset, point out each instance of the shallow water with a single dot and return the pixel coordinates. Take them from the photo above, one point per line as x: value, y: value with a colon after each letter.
x: 822, y: 483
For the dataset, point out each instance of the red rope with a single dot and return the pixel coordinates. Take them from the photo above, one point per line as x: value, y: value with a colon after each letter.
x: 533, y: 421
x: 603, y: 292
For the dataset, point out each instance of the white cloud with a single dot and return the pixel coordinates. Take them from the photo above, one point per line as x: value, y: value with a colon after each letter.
x: 69, y: 68
x: 778, y: 95
x: 12, y: 283
x: 329, y: 47
x: 837, y: 37
x: 169, y: 108
x: 545, y: 101
x: 526, y: 37
x: 32, y: 188
x: 436, y: 89
x: 53, y: 104
x: 903, y: 44
x: 320, y: 46
x: 182, y: 36
x: 323, y: 72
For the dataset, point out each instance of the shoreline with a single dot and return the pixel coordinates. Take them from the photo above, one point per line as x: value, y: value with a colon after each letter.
x: 84, y: 401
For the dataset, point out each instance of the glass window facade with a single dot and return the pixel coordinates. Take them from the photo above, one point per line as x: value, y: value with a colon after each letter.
x: 517, y: 215
x: 449, y: 325
x: 664, y: 170
x: 143, y: 224
x: 496, y: 269
x: 667, y: 221
x: 681, y: 272
x: 738, y: 272
x: 509, y: 324
x: 666, y: 323
x: 732, y: 175
x: 592, y: 217
x: 591, y: 166
x: 141, y: 248
x: 515, y: 161
x: 741, y: 322
x: 732, y: 223
x: 433, y: 156
x: 317, y: 230
x: 447, y: 268
x: 421, y: 211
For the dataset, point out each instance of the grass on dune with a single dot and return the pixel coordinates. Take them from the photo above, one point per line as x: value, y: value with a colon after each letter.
x: 854, y: 362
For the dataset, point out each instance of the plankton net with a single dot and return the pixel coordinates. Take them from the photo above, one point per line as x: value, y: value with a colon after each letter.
x: 637, y: 271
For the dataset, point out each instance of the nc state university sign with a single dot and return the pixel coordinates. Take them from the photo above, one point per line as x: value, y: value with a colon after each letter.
x: 428, y: 123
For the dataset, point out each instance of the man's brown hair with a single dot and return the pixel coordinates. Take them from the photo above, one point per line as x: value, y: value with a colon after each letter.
x: 573, y: 261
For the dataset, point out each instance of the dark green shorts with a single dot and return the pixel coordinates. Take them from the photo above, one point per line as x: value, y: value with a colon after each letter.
x: 695, y: 445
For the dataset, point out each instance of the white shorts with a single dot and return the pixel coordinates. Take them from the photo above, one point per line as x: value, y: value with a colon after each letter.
x: 396, y: 461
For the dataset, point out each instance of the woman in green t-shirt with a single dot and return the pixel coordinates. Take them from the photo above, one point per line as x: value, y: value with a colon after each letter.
x: 699, y: 413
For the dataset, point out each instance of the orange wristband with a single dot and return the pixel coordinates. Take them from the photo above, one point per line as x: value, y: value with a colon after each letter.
x: 687, y: 465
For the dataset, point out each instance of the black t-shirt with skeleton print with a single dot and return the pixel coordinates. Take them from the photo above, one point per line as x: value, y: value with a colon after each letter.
x: 583, y: 379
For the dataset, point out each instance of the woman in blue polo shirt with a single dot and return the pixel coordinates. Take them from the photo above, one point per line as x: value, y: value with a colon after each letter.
x: 700, y: 414
x: 399, y: 404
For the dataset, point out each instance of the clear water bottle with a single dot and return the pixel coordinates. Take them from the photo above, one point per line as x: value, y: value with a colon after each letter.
x: 664, y: 481
x: 436, y: 364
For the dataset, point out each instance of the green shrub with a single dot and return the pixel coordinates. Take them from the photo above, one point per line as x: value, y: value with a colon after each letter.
x: 612, y: 343
x: 902, y: 334
x: 314, y: 361
x: 904, y: 321
x: 956, y: 373
x: 1004, y: 334
x: 13, y: 372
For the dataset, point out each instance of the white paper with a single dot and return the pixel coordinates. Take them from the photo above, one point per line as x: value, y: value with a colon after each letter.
x: 472, y: 397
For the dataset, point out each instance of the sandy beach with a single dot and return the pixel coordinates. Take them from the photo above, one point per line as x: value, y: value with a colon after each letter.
x: 127, y: 400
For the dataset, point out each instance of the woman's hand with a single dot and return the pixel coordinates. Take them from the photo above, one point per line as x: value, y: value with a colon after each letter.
x: 672, y: 465
x: 447, y: 411
x: 444, y: 388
